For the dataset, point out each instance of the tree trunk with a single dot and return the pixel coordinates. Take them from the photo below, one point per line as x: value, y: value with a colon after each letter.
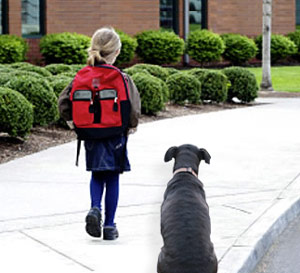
x: 266, y: 84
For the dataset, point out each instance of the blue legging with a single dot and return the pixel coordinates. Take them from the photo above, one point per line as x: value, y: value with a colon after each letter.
x: 111, y: 182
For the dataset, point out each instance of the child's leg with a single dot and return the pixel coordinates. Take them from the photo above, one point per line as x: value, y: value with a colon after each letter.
x: 111, y: 197
x: 96, y: 189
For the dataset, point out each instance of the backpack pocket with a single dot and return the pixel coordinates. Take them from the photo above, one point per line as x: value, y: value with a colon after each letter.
x: 82, y: 101
x: 110, y: 108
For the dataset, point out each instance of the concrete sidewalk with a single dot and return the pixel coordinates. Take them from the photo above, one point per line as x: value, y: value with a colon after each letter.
x: 252, y: 187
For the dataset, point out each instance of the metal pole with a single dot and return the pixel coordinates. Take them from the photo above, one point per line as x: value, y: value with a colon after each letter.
x: 186, y: 26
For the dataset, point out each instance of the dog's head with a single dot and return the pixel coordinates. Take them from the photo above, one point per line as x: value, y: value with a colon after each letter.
x: 187, y: 156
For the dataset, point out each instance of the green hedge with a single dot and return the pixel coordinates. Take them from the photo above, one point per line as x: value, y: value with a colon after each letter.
x: 295, y: 37
x: 12, y: 48
x: 59, y: 84
x: 159, y: 47
x: 239, y: 48
x: 281, y: 47
x: 40, y: 94
x: 16, y: 113
x: 55, y: 69
x: 129, y: 45
x: 154, y: 70
x: 204, y: 46
x: 150, y: 90
x: 243, y: 84
x: 31, y: 68
x: 184, y: 88
x: 66, y: 47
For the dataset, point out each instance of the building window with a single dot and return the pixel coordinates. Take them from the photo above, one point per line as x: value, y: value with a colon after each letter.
x: 197, y: 14
x: 3, y: 17
x: 33, y: 15
x: 298, y: 14
x: 169, y: 15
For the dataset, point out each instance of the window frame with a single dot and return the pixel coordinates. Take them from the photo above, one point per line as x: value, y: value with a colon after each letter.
x: 42, y: 24
x: 175, y: 16
x: 4, y: 16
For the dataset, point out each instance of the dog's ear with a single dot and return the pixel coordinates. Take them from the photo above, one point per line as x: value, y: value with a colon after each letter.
x: 170, y: 153
x: 204, y: 155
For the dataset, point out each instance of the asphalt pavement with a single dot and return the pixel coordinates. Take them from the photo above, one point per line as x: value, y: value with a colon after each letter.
x: 252, y: 187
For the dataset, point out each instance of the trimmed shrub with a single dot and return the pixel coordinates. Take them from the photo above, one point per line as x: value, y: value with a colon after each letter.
x: 66, y: 47
x: 154, y: 70
x: 70, y: 74
x: 59, y: 84
x: 239, y: 48
x: 129, y: 45
x: 205, y: 46
x: 150, y: 91
x: 10, y: 51
x: 55, y: 69
x: 133, y: 70
x: 4, y: 78
x: 281, y: 47
x: 32, y: 68
x: 295, y: 37
x: 243, y: 84
x: 16, y: 113
x: 77, y: 67
x: 184, y: 88
x: 58, y: 77
x: 7, y: 42
x: 40, y: 94
x: 159, y: 47
x: 171, y: 70
x: 214, y: 84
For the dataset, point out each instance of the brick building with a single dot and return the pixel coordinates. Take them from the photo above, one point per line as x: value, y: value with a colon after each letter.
x: 34, y: 18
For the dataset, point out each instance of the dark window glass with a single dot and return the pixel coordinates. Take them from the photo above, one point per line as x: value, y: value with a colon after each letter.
x: 3, y: 17
x: 32, y: 17
x: 197, y: 14
x: 169, y: 15
x: 298, y: 12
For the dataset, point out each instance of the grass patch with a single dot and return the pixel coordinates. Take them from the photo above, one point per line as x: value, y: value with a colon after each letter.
x: 284, y: 78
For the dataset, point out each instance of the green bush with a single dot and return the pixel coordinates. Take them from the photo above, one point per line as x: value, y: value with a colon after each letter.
x: 243, y: 84
x: 76, y: 67
x: 31, y: 68
x: 40, y: 94
x: 159, y: 47
x: 281, y: 47
x: 239, y: 49
x: 135, y: 69
x: 184, y: 88
x: 295, y: 37
x: 66, y: 47
x: 205, y: 46
x: 12, y: 48
x: 129, y: 45
x: 154, y: 70
x: 55, y: 69
x: 150, y: 91
x: 16, y: 113
x: 171, y: 70
x: 59, y: 84
x: 4, y: 78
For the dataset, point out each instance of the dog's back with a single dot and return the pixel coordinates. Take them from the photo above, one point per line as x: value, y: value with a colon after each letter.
x: 185, y: 228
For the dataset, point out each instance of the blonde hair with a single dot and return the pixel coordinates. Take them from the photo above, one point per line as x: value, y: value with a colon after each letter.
x: 105, y: 46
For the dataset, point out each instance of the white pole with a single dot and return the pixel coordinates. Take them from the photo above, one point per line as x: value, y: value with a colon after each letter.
x: 186, y: 25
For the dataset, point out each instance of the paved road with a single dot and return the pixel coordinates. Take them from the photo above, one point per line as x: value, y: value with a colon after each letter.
x: 284, y: 254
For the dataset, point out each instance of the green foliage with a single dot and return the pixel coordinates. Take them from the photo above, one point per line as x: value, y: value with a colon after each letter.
x: 184, y: 88
x: 154, y: 70
x: 214, y: 84
x: 150, y: 91
x: 55, y: 69
x: 281, y: 47
x: 205, y: 46
x: 295, y: 37
x: 16, y: 113
x: 129, y: 45
x: 239, y: 48
x: 66, y: 47
x: 12, y: 48
x: 135, y: 69
x: 40, y: 94
x: 171, y: 70
x: 4, y: 78
x: 59, y: 84
x: 159, y: 47
x: 76, y: 67
x: 31, y: 68
x: 243, y: 84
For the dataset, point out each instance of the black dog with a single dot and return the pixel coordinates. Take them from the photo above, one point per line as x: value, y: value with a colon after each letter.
x: 185, y: 221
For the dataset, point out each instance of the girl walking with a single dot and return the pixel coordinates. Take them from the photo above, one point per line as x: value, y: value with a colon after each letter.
x: 105, y: 158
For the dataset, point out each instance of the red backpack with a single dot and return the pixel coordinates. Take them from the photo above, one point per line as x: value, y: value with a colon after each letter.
x: 100, y: 103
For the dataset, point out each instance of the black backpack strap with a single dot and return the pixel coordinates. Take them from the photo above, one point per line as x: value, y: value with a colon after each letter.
x: 78, y: 151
